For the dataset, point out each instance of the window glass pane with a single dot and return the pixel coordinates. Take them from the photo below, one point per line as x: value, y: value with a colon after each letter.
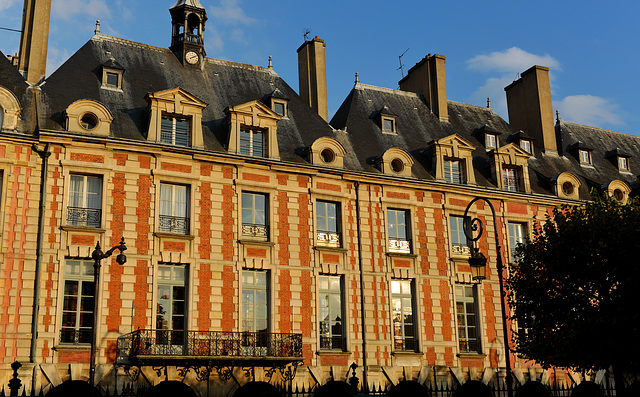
x: 255, y: 307
x: 402, y: 315
x: 278, y: 107
x: 330, y: 311
x: 171, y: 300
x: 466, y: 318
x: 112, y: 79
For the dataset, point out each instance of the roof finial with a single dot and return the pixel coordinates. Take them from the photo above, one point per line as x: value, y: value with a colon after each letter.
x: 357, y: 78
x: 557, y: 116
x: 97, y: 31
x: 488, y: 102
x: 270, y: 62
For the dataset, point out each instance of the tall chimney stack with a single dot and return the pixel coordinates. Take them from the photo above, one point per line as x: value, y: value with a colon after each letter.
x: 427, y: 78
x: 312, y: 75
x: 32, y: 59
x: 530, y: 108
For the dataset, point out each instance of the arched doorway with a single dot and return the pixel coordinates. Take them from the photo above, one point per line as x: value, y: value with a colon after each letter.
x: 257, y: 389
x: 533, y: 389
x: 408, y: 388
x: 587, y: 389
x: 74, y: 388
x: 171, y: 388
x: 333, y: 388
x: 473, y: 388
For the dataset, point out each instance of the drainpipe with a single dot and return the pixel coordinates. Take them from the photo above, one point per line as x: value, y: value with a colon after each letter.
x: 44, y: 154
x: 365, y: 383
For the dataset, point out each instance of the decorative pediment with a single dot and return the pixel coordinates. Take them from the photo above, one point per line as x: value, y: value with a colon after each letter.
x: 253, y: 117
x: 511, y: 154
x: 177, y: 103
x: 515, y: 159
x: 454, y: 147
x: 10, y: 106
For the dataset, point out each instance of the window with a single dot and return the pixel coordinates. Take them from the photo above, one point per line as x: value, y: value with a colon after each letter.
x: 398, y: 227
x: 88, y: 121
x: 174, y: 209
x: 388, y: 125
x: 402, y: 313
x: 328, y: 221
x: 516, y: 236
x: 171, y: 305
x: 525, y: 145
x: 467, y: 319
x: 174, y: 131
x: 77, y: 302
x: 490, y: 141
x: 623, y: 163
x: 279, y: 107
x: 252, y: 142
x: 459, y: 242
x: 510, y: 180
x: 85, y: 201
x: 255, y: 312
x: 331, y: 324
x: 453, y: 171
x: 254, y: 216
x: 585, y: 156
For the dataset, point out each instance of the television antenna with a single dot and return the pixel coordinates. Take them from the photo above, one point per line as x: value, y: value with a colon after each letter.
x: 306, y: 34
x: 401, y: 65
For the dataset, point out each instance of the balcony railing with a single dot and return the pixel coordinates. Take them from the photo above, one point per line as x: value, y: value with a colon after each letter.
x: 84, y: 216
x: 460, y: 249
x: 173, y: 224
x: 400, y: 245
x: 163, y: 344
x: 328, y: 239
x: 253, y: 231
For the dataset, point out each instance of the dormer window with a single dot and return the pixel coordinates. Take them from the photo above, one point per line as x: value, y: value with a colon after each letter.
x: 174, y: 130
x: 279, y: 103
x: 388, y: 125
x: 490, y: 141
x: 511, y: 179
x: 585, y: 156
x: 112, y: 78
x: 453, y: 171
x: 253, y: 130
x: 623, y: 163
x: 525, y: 145
x: 453, y: 159
x: 252, y: 142
x: 280, y: 108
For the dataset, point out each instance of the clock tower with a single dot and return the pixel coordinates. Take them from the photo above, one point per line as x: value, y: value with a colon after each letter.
x: 187, y: 41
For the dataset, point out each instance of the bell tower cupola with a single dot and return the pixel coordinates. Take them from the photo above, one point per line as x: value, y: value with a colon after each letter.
x: 187, y: 41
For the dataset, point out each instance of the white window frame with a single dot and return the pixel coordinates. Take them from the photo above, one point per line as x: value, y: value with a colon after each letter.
x: 491, y: 141
x: 585, y: 156
x: 517, y: 232
x: 249, y: 145
x: 329, y: 289
x: 402, y: 302
x: 460, y: 244
x: 84, y: 207
x: 511, y: 179
x: 623, y: 163
x: 450, y: 174
x: 173, y: 212
x: 525, y: 145
x: 395, y: 229
x: 471, y: 323
x: 176, y: 134
x: 81, y: 272
x: 170, y: 333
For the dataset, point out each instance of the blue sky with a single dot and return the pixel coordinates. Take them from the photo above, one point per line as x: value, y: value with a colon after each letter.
x: 591, y: 47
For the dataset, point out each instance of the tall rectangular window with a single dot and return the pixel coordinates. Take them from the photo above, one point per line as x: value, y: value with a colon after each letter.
x: 398, y: 228
x: 459, y: 242
x: 171, y: 304
x: 252, y: 142
x: 174, y: 131
x: 467, y: 319
x: 255, y: 301
x: 328, y: 223
x: 85, y: 201
x: 331, y: 312
x: 78, y: 302
x: 402, y: 315
x: 517, y: 234
x: 453, y: 171
x: 254, y: 216
x: 510, y: 179
x: 174, y: 209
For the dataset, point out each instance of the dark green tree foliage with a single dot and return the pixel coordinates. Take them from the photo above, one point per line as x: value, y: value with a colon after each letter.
x: 575, y: 288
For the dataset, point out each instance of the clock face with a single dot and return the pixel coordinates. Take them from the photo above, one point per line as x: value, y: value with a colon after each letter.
x: 191, y: 57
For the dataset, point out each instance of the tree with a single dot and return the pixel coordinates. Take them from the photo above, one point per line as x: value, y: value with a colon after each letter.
x: 574, y: 289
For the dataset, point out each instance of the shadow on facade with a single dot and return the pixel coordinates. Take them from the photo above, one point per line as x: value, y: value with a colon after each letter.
x: 473, y: 388
x: 257, y: 389
x: 407, y: 388
x: 333, y: 388
x: 74, y: 388
x: 533, y: 389
x: 171, y: 388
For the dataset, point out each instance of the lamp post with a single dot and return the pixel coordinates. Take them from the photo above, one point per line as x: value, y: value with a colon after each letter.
x: 478, y: 262
x: 97, y: 255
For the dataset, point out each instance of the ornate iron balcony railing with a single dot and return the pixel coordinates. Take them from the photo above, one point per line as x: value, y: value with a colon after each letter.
x: 154, y: 343
x: 75, y: 336
x: 173, y: 224
x: 328, y: 239
x: 84, y: 216
x: 460, y: 249
x: 400, y: 245
x: 250, y: 230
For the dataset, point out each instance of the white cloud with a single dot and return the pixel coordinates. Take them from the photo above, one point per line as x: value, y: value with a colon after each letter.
x: 213, y: 42
x: 493, y: 89
x: 6, y: 4
x: 67, y: 9
x: 589, y: 110
x: 229, y: 12
x: 55, y: 58
x: 511, y: 60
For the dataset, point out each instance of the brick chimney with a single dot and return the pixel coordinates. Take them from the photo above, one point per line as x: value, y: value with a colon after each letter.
x: 530, y: 108
x: 312, y: 75
x: 32, y: 61
x: 427, y: 78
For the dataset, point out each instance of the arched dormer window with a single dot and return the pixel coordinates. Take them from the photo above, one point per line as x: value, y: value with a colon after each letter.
x: 453, y: 159
x: 88, y: 116
x: 395, y: 162
x: 252, y: 130
x: 618, y: 190
x: 176, y: 118
x: 9, y: 110
x: 566, y: 185
x: 327, y: 151
x: 510, y: 168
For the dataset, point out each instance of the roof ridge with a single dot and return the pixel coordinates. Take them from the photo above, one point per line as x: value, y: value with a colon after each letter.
x: 241, y: 65
x: 600, y: 129
x: 387, y: 90
x: 471, y: 105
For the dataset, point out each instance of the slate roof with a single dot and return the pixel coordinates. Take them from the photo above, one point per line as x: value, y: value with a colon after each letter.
x: 150, y: 69
x: 417, y: 126
x: 12, y: 80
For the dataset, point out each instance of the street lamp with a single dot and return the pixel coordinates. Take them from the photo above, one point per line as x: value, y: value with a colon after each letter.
x: 478, y: 263
x: 98, y: 256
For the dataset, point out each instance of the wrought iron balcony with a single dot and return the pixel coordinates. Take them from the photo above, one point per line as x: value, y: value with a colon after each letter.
x: 152, y: 344
x: 173, y: 224
x: 400, y: 245
x: 328, y: 239
x: 253, y: 231
x: 84, y: 216
x: 460, y: 249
